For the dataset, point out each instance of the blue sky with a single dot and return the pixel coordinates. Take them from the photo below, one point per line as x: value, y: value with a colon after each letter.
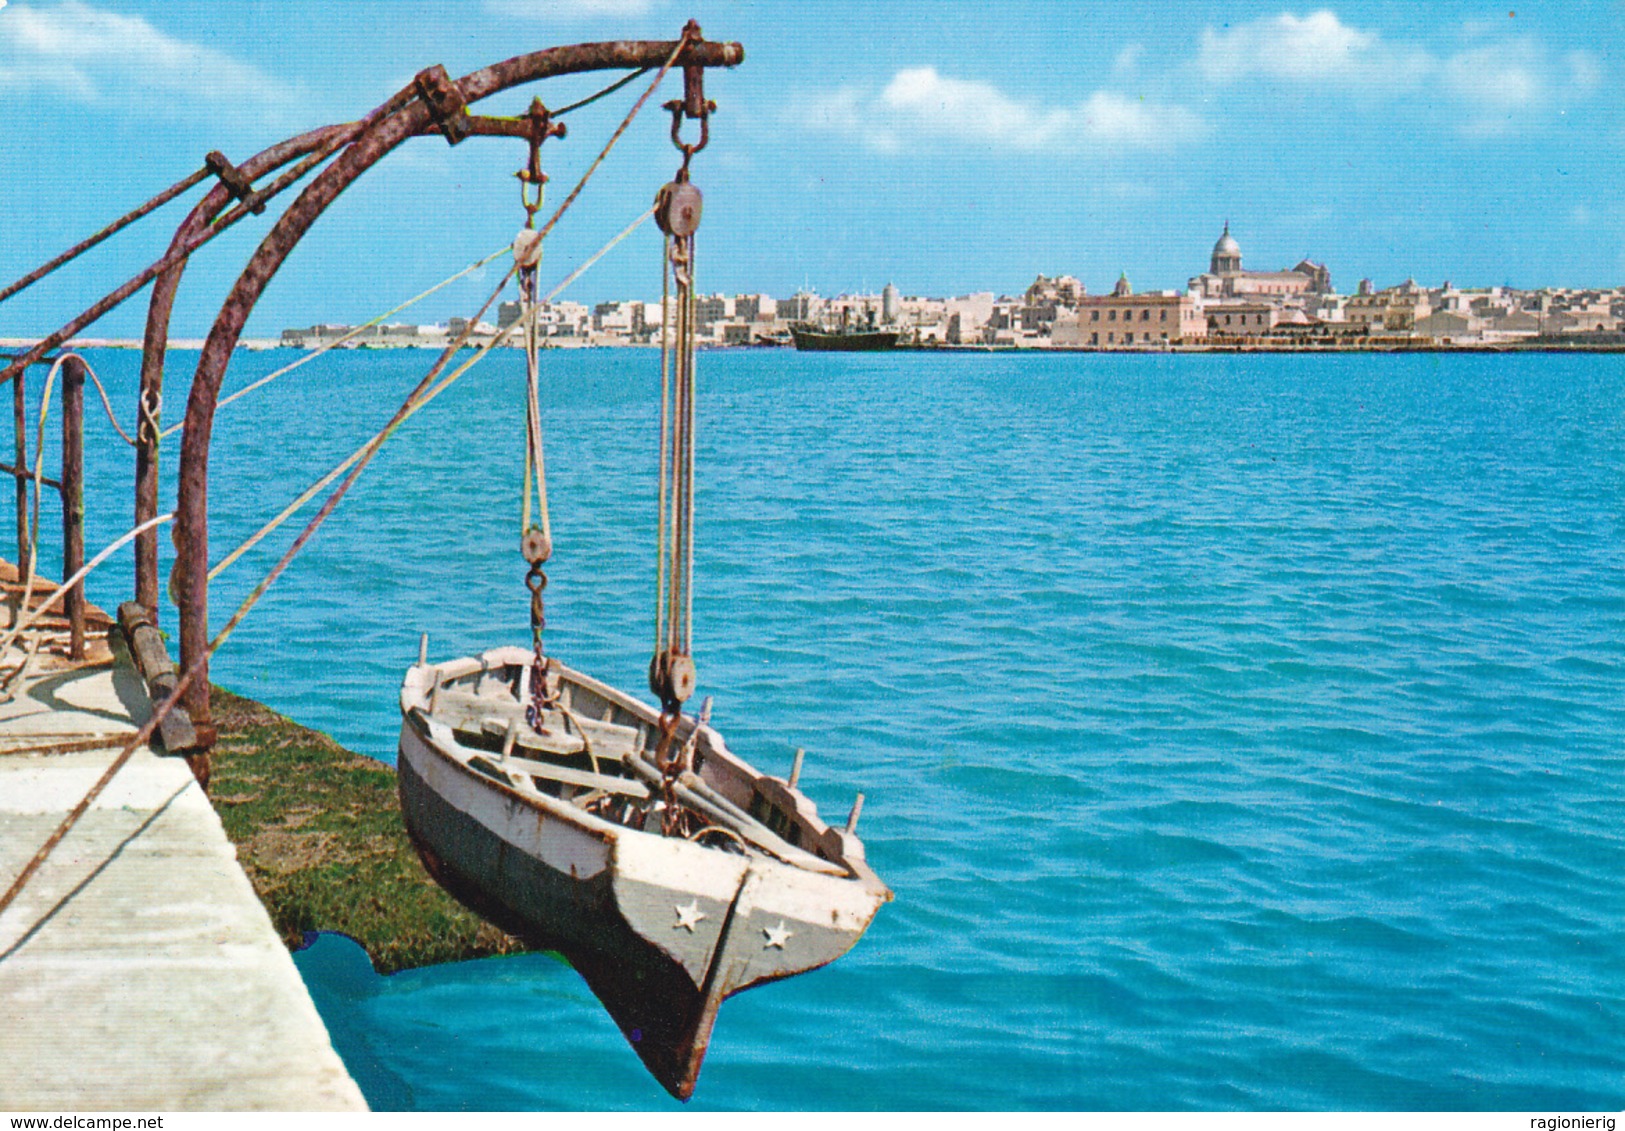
x: 942, y: 145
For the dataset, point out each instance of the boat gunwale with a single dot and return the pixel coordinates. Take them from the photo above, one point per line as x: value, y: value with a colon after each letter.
x: 414, y: 712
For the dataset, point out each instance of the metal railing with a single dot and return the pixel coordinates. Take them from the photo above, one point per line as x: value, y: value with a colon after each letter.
x: 70, y: 487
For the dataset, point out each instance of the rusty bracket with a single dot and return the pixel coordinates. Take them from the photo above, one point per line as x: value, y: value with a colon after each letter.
x: 542, y: 127
x: 234, y: 180
x: 694, y: 104
x: 444, y: 98
x: 479, y: 125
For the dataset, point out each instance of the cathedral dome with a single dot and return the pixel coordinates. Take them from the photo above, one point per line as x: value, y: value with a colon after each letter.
x: 1226, y: 254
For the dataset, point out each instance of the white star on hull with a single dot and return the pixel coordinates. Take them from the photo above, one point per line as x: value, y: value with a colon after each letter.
x: 688, y: 917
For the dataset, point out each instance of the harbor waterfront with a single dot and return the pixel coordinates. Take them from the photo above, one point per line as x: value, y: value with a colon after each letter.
x: 1238, y: 731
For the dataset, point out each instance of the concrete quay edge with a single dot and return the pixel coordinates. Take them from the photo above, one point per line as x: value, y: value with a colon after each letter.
x: 138, y: 969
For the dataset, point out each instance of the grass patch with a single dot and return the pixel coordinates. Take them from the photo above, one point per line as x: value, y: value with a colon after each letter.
x: 318, y: 830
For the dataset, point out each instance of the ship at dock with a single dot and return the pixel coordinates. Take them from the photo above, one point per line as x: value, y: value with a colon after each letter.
x: 807, y: 337
x: 852, y: 331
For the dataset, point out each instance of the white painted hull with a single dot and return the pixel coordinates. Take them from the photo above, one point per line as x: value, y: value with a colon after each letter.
x: 662, y: 928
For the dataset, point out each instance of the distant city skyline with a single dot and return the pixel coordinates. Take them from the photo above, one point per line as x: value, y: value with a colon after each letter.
x: 947, y: 147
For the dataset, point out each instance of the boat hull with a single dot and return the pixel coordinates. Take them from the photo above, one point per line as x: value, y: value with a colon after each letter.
x: 859, y: 341
x: 662, y: 930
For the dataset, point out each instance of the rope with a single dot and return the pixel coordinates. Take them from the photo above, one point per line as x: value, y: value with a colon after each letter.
x: 188, y: 677
x: 546, y: 228
x: 688, y: 473
x: 119, y: 294
x: 316, y: 488
x: 26, y: 622
x: 66, y: 743
x: 608, y: 90
x: 144, y: 735
x: 665, y: 395
x: 415, y: 400
x: 13, y: 678
x: 675, y: 541
x: 108, y: 404
x: 116, y: 226
x: 615, y: 137
x: 535, y: 463
x: 336, y: 342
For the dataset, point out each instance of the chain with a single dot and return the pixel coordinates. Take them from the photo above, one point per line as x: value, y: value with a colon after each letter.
x: 536, y: 542
x: 543, y: 689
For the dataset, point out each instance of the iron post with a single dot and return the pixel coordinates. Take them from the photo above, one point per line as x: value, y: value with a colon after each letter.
x: 73, y: 498
x: 19, y: 420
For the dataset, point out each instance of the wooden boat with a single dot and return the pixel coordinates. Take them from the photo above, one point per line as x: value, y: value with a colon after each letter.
x: 557, y: 834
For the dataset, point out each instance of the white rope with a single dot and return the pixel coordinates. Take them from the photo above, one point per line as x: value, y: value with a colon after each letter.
x: 674, y: 578
x: 26, y: 622
x: 341, y: 340
x: 107, y: 404
x: 292, y: 508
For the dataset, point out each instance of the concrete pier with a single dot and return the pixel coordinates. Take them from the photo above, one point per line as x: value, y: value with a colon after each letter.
x: 138, y: 970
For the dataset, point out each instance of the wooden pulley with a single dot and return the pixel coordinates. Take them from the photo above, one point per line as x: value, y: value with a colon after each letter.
x: 527, y: 248
x: 535, y: 546
x: 677, y: 208
x: 672, y: 676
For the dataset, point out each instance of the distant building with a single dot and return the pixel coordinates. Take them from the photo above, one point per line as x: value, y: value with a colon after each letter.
x: 755, y: 308
x: 455, y: 326
x: 1125, y: 320
x: 1050, y: 301
x: 1225, y: 277
x: 1393, y: 310
x: 613, y: 317
x: 712, y: 308
x: 1239, y: 319
x: 1449, y: 326
x: 803, y: 306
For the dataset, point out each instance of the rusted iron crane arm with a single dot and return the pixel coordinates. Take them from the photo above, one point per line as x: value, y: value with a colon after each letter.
x: 190, y: 586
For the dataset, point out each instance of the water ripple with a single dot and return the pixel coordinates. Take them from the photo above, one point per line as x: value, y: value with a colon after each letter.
x: 1238, y: 732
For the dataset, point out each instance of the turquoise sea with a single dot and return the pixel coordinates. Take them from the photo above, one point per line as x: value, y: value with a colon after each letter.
x: 1237, y: 731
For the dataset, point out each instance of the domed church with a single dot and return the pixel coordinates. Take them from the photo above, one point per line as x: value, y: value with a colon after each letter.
x: 1225, y: 277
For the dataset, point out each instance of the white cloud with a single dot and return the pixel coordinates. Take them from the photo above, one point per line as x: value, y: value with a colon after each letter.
x: 1486, y: 86
x: 106, y: 59
x: 1128, y: 60
x: 563, y: 10
x: 920, y: 106
x: 1510, y: 76
x: 1318, y: 47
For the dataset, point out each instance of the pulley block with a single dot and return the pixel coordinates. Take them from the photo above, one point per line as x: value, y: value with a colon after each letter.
x: 672, y: 676
x: 677, y: 208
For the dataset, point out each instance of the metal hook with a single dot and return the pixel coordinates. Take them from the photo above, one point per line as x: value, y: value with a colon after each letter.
x: 677, y: 116
x: 542, y: 127
x: 530, y: 206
